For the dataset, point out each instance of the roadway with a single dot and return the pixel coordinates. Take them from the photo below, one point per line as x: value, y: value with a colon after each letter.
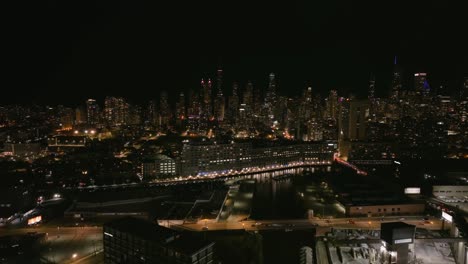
x: 66, y: 244
x: 321, y: 225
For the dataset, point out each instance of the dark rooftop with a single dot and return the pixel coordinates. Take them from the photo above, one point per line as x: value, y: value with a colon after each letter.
x: 189, y: 245
x: 395, y: 225
x: 143, y: 229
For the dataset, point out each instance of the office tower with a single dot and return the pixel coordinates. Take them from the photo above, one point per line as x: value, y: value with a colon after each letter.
x: 152, y: 112
x: 331, y: 106
x: 206, y: 90
x: 464, y: 89
x: 421, y: 86
x: 314, y: 130
x: 219, y: 80
x: 372, y: 100
x: 371, y: 94
x: 115, y: 110
x: 134, y: 114
x: 206, y: 112
x: 80, y: 115
x: 164, y: 110
x: 396, y: 81
x: 270, y: 97
x: 358, y: 118
x: 233, y: 104
x: 92, y: 111
x: 180, y: 107
x: 219, y: 100
x: 270, y: 101
x: 257, y: 101
x: 66, y: 117
x: 219, y: 106
x: 343, y: 118
x: 248, y: 94
x: 306, y: 105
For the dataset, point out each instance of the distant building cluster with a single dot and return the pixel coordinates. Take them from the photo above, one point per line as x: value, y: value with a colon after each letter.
x: 413, y: 120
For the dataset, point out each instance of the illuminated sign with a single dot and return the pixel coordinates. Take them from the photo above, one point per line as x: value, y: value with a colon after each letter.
x: 34, y: 220
x: 447, y: 216
x: 403, y: 241
x: 414, y: 190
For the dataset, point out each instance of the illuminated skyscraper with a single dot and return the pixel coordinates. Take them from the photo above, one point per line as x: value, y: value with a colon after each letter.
x: 219, y: 101
x: 270, y: 101
x: 80, y: 115
x: 233, y: 104
x: 115, y: 111
x: 270, y: 97
x: 371, y: 94
x: 206, y: 87
x: 396, y: 81
x: 358, y: 118
x: 248, y: 94
x: 464, y: 89
x: 193, y: 111
x: 307, y: 104
x: 92, y: 111
x: 332, y: 105
x: 164, y: 110
x: 180, y: 107
x: 152, y: 113
x: 133, y: 116
x: 421, y: 86
x: 206, y: 112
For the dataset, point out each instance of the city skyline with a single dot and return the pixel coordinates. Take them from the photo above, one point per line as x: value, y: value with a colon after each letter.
x: 125, y: 49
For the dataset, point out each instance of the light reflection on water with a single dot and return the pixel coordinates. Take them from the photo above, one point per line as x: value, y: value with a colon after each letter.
x: 278, y: 196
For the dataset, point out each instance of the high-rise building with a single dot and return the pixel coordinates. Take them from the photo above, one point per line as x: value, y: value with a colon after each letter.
x: 115, y: 111
x: 219, y: 100
x: 164, y: 110
x: 372, y: 99
x: 219, y: 106
x: 332, y: 105
x: 371, y: 94
x: 80, y: 115
x: 257, y: 101
x: 248, y: 96
x: 152, y: 112
x: 396, y: 81
x: 134, y: 114
x: 421, y: 86
x: 92, y: 111
x: 206, y: 98
x: 180, y: 107
x: 270, y: 101
x: 307, y: 107
x: 270, y: 97
x: 66, y: 117
x: 233, y: 104
x: 358, y: 118
x: 464, y: 89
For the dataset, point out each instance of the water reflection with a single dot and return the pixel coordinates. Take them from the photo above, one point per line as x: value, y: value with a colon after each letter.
x: 292, y: 193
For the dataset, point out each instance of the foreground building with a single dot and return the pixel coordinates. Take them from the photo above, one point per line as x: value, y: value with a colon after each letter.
x: 132, y: 240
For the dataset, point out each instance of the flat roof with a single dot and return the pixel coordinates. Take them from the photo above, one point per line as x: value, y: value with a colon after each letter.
x: 142, y: 228
x: 189, y: 245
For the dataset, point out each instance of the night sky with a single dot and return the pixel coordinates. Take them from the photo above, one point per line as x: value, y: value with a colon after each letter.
x: 62, y: 52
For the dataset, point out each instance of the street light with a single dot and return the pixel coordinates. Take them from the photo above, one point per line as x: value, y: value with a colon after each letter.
x: 74, y: 255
